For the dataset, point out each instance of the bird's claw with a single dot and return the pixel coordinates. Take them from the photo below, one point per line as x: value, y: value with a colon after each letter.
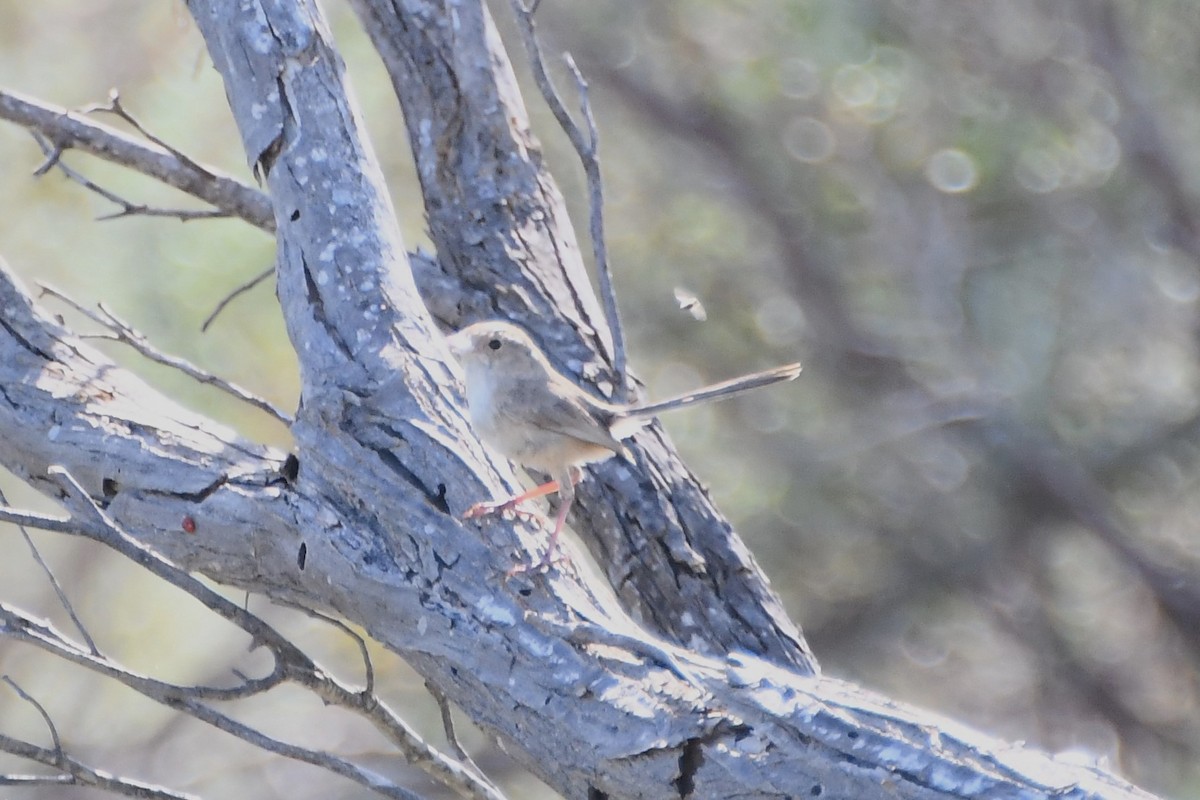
x: 541, y: 565
x: 488, y: 507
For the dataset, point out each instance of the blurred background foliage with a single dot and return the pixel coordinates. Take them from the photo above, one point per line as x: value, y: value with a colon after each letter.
x: 976, y: 223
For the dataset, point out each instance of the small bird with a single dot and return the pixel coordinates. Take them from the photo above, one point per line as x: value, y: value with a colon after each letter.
x: 534, y: 415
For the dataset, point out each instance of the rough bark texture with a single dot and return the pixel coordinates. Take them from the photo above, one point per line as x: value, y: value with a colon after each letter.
x: 582, y: 696
x: 507, y: 250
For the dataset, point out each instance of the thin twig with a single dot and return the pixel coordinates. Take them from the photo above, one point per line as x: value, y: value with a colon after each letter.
x: 318, y: 758
x: 115, y: 108
x: 35, y: 780
x: 590, y: 158
x: 43, y: 522
x: 234, y: 294
x: 368, y: 667
x: 63, y: 600
x: 587, y: 147
x: 58, y: 589
x: 465, y: 778
x: 448, y: 725
x: 53, y: 154
x: 23, y: 628
x: 42, y: 634
x: 124, y: 333
x: 28, y: 698
x: 77, y: 774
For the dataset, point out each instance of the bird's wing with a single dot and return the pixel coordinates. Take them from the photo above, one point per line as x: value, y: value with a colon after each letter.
x: 579, y: 417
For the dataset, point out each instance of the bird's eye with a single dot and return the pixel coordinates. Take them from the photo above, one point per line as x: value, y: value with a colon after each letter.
x: 494, y: 344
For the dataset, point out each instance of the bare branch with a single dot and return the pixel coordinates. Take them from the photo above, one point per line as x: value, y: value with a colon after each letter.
x: 368, y: 667
x: 54, y: 153
x: 126, y: 334
x: 537, y: 691
x: 58, y: 590
x: 339, y: 766
x: 448, y: 725
x: 236, y: 292
x: 67, y: 130
x: 58, y: 748
x: 20, y: 627
x: 290, y: 663
x: 42, y: 522
x: 588, y: 150
x: 462, y: 777
x: 33, y: 780
x: 78, y: 774
x: 54, y: 584
x: 115, y: 108
x: 62, y: 130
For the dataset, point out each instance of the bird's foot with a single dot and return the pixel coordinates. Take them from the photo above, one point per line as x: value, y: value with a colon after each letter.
x: 502, y: 507
x: 543, y: 564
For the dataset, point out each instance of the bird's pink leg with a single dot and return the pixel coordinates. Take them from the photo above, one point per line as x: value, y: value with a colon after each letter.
x: 566, y: 486
x: 549, y: 558
x: 486, y: 507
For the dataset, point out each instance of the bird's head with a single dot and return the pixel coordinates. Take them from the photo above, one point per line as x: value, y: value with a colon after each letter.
x: 495, y: 348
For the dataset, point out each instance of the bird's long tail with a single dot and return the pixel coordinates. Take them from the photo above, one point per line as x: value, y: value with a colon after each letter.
x: 719, y: 391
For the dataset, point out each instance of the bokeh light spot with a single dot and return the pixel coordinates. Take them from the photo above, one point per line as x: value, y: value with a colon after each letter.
x: 809, y: 140
x: 952, y: 171
x: 855, y: 86
x: 798, y: 79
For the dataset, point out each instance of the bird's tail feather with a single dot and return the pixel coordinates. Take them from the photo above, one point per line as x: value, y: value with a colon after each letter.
x: 719, y: 391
